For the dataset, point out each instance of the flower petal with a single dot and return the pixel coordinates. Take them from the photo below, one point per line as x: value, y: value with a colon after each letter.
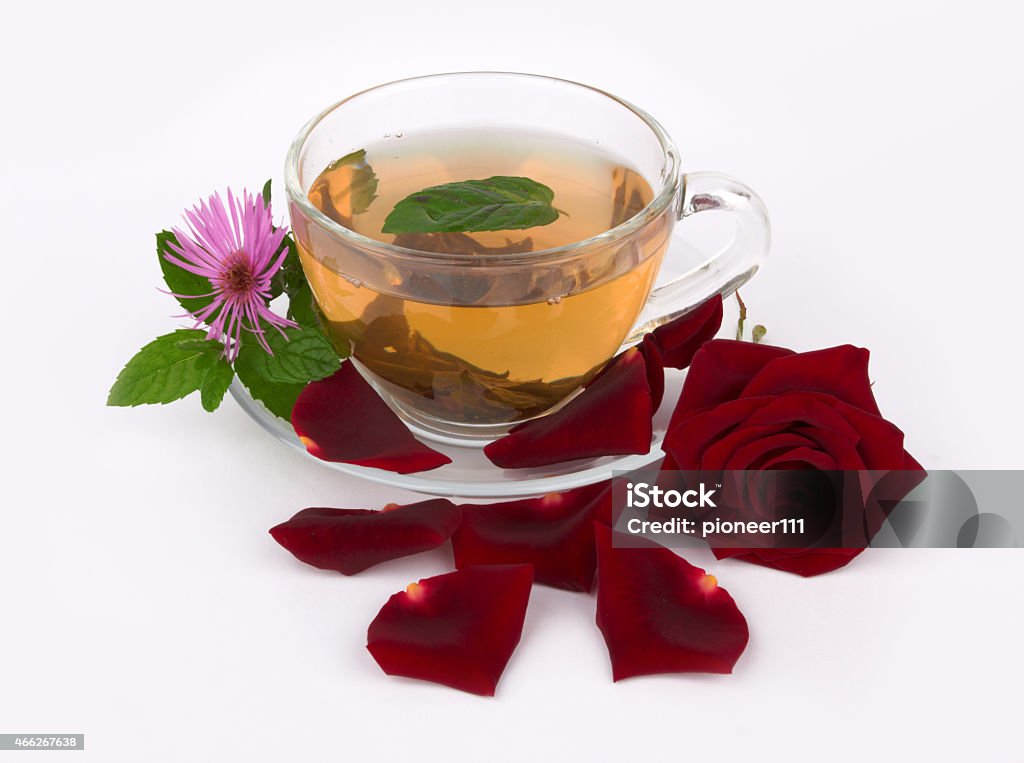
x: 554, y: 533
x: 839, y: 371
x: 341, y: 418
x: 612, y: 416
x: 719, y: 372
x: 660, y: 614
x: 350, y: 540
x: 680, y: 339
x: 458, y: 629
x: 654, y: 364
x: 689, y: 438
x: 804, y: 562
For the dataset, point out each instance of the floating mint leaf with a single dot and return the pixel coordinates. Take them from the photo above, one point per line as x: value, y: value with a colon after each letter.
x: 163, y: 371
x: 758, y: 333
x: 181, y: 282
x: 215, y: 383
x: 467, y: 206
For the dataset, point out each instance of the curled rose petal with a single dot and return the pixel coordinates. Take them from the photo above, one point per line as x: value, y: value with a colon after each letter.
x: 554, y: 533
x: 655, y: 367
x: 458, y: 629
x: 341, y: 418
x: 350, y: 540
x: 679, y: 339
x: 838, y: 371
x: 719, y: 372
x: 612, y: 416
x: 660, y: 614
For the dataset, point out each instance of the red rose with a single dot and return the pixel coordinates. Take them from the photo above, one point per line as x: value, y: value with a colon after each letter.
x: 753, y: 407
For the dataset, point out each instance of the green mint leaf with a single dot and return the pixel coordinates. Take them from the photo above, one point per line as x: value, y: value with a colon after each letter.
x: 277, y: 397
x: 291, y: 280
x: 180, y: 281
x: 265, y: 193
x: 215, y: 383
x: 162, y: 372
x: 290, y: 277
x: 306, y: 356
x: 301, y: 307
x: 497, y: 203
x: 203, y: 345
x: 261, y: 373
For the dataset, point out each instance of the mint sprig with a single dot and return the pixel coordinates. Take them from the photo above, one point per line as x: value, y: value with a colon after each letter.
x: 171, y: 367
x: 496, y: 203
x: 177, y: 364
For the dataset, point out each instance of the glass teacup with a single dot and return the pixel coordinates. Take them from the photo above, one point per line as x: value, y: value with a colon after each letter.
x: 467, y: 336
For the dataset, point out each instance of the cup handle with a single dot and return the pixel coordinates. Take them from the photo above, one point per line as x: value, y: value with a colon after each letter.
x: 726, y: 271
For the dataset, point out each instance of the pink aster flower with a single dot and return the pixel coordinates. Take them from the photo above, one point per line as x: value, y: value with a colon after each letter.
x: 237, y: 247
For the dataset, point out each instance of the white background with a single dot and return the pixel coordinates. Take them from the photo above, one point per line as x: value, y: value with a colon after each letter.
x: 142, y: 601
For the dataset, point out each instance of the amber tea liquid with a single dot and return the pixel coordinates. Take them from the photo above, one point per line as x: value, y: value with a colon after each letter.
x: 487, y: 343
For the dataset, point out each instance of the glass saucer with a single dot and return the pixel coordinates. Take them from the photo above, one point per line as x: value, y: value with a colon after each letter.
x: 470, y: 474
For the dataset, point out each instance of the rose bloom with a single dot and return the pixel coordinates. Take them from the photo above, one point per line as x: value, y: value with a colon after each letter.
x: 754, y: 407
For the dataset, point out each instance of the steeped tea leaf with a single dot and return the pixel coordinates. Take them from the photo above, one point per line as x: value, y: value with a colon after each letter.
x: 363, y: 184
x: 346, y: 188
x: 497, y: 203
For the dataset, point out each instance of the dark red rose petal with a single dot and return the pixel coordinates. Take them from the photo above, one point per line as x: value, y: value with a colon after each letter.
x: 341, y: 418
x: 804, y: 562
x: 458, y: 629
x: 655, y: 367
x: 758, y: 450
x: 880, y: 443
x: 350, y: 540
x: 660, y: 614
x: 687, y: 440
x: 838, y: 371
x: 554, y: 533
x: 612, y: 416
x: 679, y: 340
x: 719, y: 372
